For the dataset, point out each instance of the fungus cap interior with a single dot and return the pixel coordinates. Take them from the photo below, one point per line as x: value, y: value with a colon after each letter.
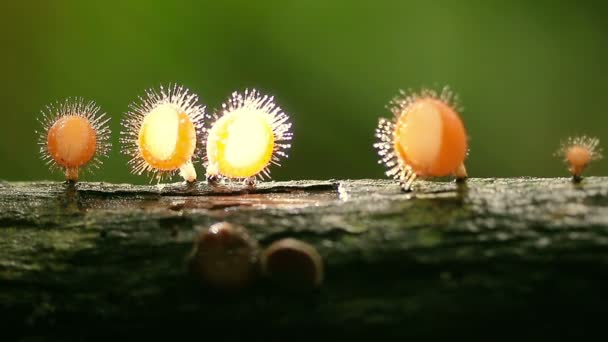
x: 167, y: 138
x: 240, y: 143
x: 431, y: 138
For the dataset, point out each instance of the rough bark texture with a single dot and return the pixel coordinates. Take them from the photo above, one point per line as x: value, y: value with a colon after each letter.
x: 493, y: 257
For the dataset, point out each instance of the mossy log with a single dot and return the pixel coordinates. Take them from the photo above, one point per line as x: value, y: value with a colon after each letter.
x: 523, y: 257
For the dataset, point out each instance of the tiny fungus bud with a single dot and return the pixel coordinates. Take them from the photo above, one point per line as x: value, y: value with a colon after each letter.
x: 73, y: 136
x: 294, y: 264
x: 225, y: 257
x: 426, y: 137
x: 251, y: 133
x: 578, y: 152
x: 160, y: 133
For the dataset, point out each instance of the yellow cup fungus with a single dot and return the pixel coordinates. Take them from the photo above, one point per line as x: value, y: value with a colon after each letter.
x: 160, y: 133
x: 251, y: 133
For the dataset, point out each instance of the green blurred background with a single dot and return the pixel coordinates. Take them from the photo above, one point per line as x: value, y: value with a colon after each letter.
x: 529, y: 73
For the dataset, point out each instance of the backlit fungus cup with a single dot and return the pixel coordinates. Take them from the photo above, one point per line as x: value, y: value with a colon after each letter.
x: 425, y: 138
x: 578, y: 153
x: 74, y: 135
x: 249, y: 134
x: 161, y: 131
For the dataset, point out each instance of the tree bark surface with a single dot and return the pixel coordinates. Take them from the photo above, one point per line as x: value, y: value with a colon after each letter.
x: 523, y: 257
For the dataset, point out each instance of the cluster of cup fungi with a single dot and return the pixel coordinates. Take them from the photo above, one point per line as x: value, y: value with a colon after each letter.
x: 162, y: 132
x: 226, y: 258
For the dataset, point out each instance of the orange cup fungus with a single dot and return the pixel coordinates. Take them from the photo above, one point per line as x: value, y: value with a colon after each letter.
x: 160, y: 133
x: 251, y: 133
x: 426, y: 138
x: 74, y: 135
x: 578, y: 153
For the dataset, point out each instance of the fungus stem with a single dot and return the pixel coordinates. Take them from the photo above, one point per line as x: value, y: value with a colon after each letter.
x: 187, y: 171
x: 461, y: 173
x: 71, y: 174
x: 249, y: 181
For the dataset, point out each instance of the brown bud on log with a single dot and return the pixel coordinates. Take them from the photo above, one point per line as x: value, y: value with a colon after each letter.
x: 225, y: 257
x: 293, y: 264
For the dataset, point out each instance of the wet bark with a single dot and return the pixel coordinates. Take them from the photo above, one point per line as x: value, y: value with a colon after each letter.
x: 506, y: 257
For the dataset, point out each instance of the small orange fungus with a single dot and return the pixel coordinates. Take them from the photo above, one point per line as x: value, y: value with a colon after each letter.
x: 578, y: 152
x: 426, y: 137
x: 74, y: 135
x: 251, y: 133
x: 160, y: 133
